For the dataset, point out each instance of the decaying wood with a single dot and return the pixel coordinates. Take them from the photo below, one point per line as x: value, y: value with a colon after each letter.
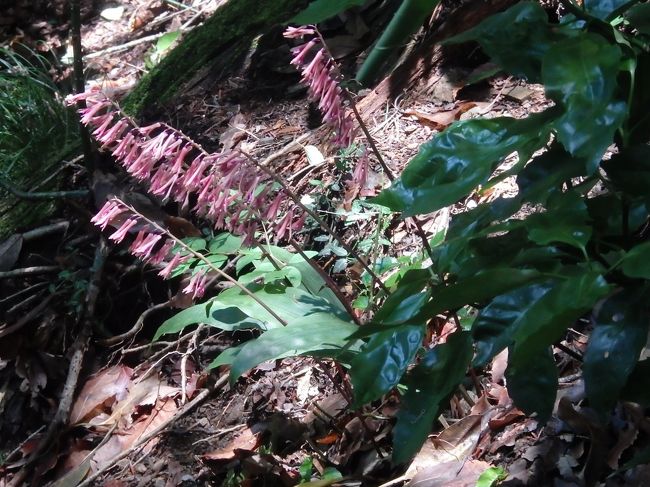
x: 418, y: 73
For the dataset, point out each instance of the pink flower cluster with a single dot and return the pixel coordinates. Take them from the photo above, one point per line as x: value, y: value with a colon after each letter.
x: 149, y: 244
x: 319, y: 73
x: 225, y: 187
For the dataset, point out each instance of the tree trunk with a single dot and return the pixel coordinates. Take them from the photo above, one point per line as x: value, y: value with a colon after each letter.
x: 227, y: 34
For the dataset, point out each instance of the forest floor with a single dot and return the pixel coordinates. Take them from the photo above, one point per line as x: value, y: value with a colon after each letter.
x: 151, y: 414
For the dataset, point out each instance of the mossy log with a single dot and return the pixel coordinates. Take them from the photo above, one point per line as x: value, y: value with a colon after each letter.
x: 225, y: 35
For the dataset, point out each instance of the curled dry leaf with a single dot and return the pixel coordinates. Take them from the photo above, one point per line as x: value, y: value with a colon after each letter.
x: 247, y: 440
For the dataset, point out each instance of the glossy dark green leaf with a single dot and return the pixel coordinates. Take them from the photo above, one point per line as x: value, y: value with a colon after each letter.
x: 546, y: 320
x: 383, y: 360
x: 639, y: 17
x: 580, y: 75
x: 516, y: 39
x: 441, y: 370
x: 317, y: 333
x: 614, y: 347
x: 456, y: 161
x: 629, y: 170
x: 636, y: 389
x: 602, y: 8
x: 566, y: 220
x: 636, y: 262
x: 320, y: 10
x: 211, y: 313
x: 607, y: 210
x: 532, y: 382
x: 407, y: 300
x: 479, y: 288
x: 495, y: 324
x: 545, y: 174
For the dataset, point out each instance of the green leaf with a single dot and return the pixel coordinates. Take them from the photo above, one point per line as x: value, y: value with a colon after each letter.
x: 566, y: 220
x: 409, y: 17
x: 382, y: 362
x: 211, y: 313
x: 407, y: 300
x: 629, y: 170
x: 580, y: 75
x: 636, y: 263
x: 546, y: 320
x: 639, y: 17
x: 479, y: 288
x: 614, y: 347
x: 462, y: 157
x: 532, y: 382
x: 491, y: 477
x: 602, y: 8
x: 319, y: 332
x: 320, y: 10
x: 225, y: 243
x: 287, y: 272
x: 442, y: 368
x: 495, y: 324
x: 166, y: 41
x: 516, y: 39
x: 289, y: 303
x: 545, y: 174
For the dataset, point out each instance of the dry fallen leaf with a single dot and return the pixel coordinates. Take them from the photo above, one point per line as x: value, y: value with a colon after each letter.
x: 100, y: 391
x: 440, y: 120
x: 246, y: 441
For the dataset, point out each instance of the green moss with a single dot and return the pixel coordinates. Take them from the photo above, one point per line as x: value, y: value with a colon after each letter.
x: 228, y: 31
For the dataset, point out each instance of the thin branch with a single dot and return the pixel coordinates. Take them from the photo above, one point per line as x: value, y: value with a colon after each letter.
x: 29, y: 271
x: 117, y: 339
x: 42, y: 195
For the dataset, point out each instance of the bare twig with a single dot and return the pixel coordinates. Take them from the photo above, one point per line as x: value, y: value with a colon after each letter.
x: 43, y: 195
x: 29, y: 271
x: 108, y: 342
x: 46, y: 230
x: 33, y: 313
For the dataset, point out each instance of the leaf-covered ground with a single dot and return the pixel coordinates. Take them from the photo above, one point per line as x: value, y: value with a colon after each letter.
x: 155, y: 407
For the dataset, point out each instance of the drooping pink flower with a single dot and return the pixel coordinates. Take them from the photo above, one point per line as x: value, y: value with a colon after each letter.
x: 196, y: 286
x: 107, y: 213
x: 123, y: 231
x: 144, y: 247
x: 177, y: 259
x: 298, y: 32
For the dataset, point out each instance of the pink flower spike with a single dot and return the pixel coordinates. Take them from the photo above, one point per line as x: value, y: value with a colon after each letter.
x: 195, y: 172
x: 102, y: 123
x: 272, y: 212
x: 114, y: 133
x: 196, y: 286
x: 108, y: 212
x: 124, y: 147
x: 88, y: 113
x: 148, y: 129
x: 177, y: 260
x: 284, y: 226
x: 301, y: 52
x: 162, y: 253
x: 143, y: 250
x: 119, y: 235
x: 297, y: 32
x: 299, y: 223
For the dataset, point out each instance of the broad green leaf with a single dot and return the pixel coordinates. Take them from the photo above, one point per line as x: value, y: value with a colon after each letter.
x: 462, y: 157
x: 614, y: 347
x: 546, y: 173
x: 532, y: 382
x: 319, y: 332
x: 478, y: 289
x: 211, y: 313
x: 580, y: 75
x: 495, y: 324
x: 636, y: 262
x: 546, y: 320
x: 491, y: 477
x: 227, y: 357
x: 225, y: 243
x: 602, y: 8
x: 639, y: 17
x: 566, y: 220
x: 441, y: 369
x: 166, y: 41
x: 289, y: 303
x: 516, y: 39
x: 380, y: 364
x: 287, y: 272
x: 629, y: 170
x: 320, y: 10
x: 314, y: 282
